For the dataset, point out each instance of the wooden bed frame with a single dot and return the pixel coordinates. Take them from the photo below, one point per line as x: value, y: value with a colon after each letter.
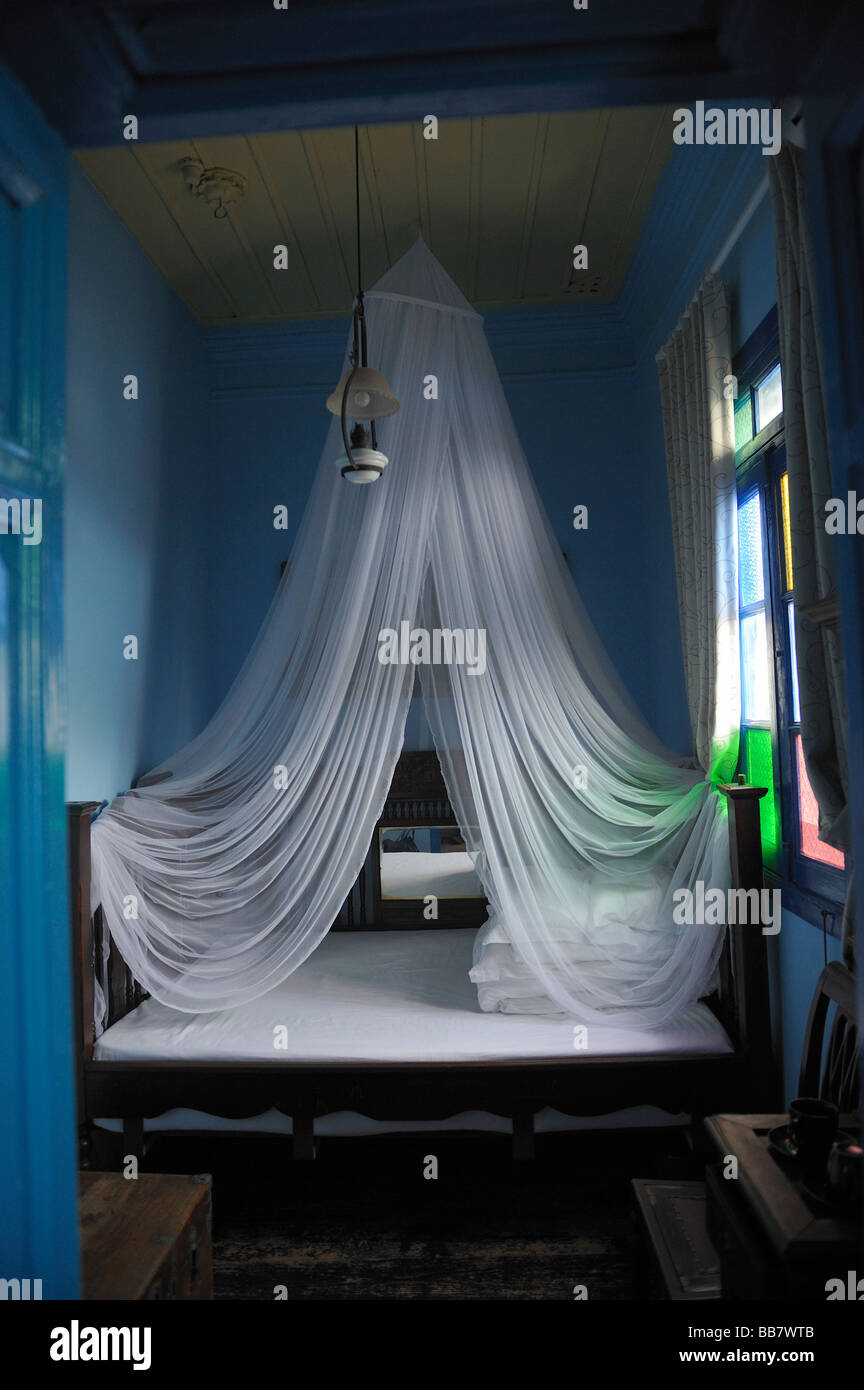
x: 744, y: 1080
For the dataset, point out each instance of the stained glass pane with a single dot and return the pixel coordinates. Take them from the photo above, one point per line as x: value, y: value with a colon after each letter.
x: 760, y: 773
x: 751, y: 570
x: 768, y: 398
x: 755, y: 672
x: 787, y: 530
x: 793, y: 656
x: 743, y: 421
x: 808, y: 815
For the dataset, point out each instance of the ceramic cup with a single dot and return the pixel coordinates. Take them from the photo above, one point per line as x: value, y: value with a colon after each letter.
x: 812, y: 1130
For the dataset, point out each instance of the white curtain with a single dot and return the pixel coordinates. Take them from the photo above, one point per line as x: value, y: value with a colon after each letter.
x: 814, y: 550
x: 818, y: 643
x: 221, y: 874
x: 696, y: 393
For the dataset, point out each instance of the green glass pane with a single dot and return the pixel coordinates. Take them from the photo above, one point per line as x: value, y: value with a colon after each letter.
x: 743, y: 421
x: 760, y: 773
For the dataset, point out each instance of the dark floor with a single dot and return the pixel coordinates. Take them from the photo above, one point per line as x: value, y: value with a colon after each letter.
x: 362, y: 1222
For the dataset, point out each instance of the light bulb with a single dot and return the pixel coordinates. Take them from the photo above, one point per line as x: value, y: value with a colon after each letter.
x: 362, y: 399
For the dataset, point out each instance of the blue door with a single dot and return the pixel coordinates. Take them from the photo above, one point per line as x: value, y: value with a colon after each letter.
x: 38, y: 1226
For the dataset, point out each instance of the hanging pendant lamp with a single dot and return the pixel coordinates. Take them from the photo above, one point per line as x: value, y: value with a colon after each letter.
x: 362, y: 394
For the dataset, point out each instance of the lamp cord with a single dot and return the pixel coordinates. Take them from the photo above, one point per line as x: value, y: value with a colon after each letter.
x: 358, y: 351
x: 357, y: 211
x: 360, y: 312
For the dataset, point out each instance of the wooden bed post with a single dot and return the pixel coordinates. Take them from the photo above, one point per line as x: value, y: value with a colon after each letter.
x: 79, y: 816
x: 523, y: 1135
x: 134, y: 1145
x: 748, y: 951
x: 303, y: 1130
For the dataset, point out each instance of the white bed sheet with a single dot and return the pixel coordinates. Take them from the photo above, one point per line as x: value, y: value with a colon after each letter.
x: 414, y: 874
x: 385, y: 997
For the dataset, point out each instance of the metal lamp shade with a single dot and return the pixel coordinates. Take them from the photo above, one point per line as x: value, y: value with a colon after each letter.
x: 370, y: 397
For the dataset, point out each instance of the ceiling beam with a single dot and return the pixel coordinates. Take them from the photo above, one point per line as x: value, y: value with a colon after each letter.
x: 184, y: 71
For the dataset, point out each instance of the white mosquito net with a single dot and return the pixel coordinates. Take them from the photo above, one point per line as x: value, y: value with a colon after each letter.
x: 225, y: 867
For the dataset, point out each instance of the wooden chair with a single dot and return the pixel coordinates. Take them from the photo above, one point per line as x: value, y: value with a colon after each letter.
x: 832, y: 1072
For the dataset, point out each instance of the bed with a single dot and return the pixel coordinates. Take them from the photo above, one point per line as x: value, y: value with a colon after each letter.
x: 380, y: 1028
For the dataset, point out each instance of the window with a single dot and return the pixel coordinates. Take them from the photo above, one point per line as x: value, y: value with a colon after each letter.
x: 767, y: 399
x: 811, y: 872
x: 758, y: 717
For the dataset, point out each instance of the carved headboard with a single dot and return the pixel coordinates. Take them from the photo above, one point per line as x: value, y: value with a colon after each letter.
x: 830, y: 1062
x: 417, y: 799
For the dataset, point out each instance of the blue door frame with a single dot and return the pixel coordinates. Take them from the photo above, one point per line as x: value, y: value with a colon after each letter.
x: 38, y: 1225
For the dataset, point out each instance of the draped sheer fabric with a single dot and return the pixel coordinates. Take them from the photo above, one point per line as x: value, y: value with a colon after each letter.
x: 225, y: 867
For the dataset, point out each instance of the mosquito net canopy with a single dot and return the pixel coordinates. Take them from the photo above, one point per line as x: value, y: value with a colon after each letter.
x: 226, y: 866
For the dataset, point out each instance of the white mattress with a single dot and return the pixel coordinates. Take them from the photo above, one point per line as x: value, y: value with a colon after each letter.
x: 385, y: 996
x: 413, y: 874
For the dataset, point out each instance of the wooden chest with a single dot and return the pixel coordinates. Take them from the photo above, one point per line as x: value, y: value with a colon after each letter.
x: 682, y: 1264
x: 146, y: 1237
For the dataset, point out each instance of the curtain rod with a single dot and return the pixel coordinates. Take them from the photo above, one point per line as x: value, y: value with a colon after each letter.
x: 738, y: 229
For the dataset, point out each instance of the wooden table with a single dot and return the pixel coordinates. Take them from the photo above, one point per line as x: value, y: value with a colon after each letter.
x: 146, y: 1237
x: 773, y: 1239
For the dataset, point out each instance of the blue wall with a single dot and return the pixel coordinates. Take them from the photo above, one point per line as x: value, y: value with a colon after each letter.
x: 800, y: 959
x: 751, y: 276
x: 135, y: 526
x: 580, y: 435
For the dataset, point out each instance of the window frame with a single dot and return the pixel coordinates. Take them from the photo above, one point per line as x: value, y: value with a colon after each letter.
x: 812, y: 890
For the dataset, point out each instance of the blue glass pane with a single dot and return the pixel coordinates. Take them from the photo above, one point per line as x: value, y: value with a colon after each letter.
x: 755, y: 681
x: 751, y: 571
x: 793, y: 657
x: 769, y: 398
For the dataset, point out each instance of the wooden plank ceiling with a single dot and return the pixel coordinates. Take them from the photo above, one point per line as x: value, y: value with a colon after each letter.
x: 501, y: 201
